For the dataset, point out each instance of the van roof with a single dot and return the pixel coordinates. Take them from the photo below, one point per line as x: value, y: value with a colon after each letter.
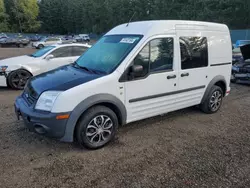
x: 165, y: 26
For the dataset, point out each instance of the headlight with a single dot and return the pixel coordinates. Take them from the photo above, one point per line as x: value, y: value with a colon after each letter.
x: 47, y: 100
x: 3, y: 68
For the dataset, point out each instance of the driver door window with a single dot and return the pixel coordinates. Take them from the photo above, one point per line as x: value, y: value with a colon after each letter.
x: 62, y: 52
x: 156, y: 56
x: 78, y: 50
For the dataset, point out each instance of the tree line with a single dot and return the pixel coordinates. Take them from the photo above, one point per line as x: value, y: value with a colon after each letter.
x: 99, y: 16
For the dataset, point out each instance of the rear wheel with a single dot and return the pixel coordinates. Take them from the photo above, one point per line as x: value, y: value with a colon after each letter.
x: 17, y: 79
x: 213, y: 101
x: 97, y: 127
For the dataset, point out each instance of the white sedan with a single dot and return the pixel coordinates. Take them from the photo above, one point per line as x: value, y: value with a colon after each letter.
x: 47, y: 42
x: 14, y: 72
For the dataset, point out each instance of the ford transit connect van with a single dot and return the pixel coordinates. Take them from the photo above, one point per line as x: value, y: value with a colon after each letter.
x: 136, y: 71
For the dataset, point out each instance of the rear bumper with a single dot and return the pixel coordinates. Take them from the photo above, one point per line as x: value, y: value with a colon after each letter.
x: 228, y: 91
x: 42, y: 123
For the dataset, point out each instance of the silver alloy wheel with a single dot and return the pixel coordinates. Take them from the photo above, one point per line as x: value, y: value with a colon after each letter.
x: 215, y: 100
x: 99, y: 129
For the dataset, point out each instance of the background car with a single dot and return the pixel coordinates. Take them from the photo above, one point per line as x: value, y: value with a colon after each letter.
x: 3, y: 35
x: 17, y: 70
x: 237, y: 56
x: 241, y: 69
x: 84, y: 37
x: 68, y: 39
x: 240, y: 43
x: 35, y: 38
x: 15, y: 41
x: 47, y: 42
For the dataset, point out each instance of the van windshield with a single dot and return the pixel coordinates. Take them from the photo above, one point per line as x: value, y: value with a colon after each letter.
x: 108, y: 52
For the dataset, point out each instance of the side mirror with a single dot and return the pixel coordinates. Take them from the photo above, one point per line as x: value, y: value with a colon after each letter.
x: 49, y: 57
x: 137, y: 69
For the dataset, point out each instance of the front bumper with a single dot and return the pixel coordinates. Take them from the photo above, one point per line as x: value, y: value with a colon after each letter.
x: 2, y: 79
x: 43, y: 123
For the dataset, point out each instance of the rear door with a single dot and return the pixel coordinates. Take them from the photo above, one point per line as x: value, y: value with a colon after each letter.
x: 62, y: 56
x: 153, y: 91
x: 193, y: 74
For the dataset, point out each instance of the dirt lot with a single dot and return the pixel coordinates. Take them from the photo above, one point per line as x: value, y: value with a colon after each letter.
x: 182, y: 149
x: 12, y: 52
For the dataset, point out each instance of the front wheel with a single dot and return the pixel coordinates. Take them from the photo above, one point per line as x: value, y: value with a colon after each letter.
x: 213, y: 101
x: 17, y: 79
x: 97, y: 127
x: 40, y: 46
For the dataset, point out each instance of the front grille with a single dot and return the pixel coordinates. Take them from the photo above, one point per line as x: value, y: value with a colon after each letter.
x: 244, y: 70
x: 29, y: 95
x: 30, y: 100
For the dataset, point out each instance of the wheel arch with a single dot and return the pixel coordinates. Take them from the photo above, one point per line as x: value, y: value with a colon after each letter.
x: 218, y: 81
x: 20, y: 68
x: 107, y: 100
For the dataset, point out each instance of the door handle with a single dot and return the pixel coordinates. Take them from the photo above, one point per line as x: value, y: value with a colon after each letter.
x: 184, y: 74
x: 171, y: 77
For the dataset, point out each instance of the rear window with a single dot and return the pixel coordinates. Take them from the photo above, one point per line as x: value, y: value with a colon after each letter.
x: 194, y: 52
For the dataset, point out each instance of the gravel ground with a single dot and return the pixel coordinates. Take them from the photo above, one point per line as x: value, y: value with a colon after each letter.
x: 186, y: 148
x: 12, y: 52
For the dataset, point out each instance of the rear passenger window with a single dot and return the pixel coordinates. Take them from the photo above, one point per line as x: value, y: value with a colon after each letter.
x: 78, y: 50
x: 194, y: 52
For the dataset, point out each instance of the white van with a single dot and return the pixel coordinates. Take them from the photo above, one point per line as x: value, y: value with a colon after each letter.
x: 136, y: 71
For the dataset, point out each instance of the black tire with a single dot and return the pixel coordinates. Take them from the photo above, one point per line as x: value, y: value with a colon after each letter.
x: 96, y: 132
x: 207, y: 105
x: 40, y: 46
x: 17, y: 79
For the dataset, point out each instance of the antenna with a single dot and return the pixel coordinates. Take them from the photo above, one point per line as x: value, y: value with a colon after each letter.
x: 130, y: 19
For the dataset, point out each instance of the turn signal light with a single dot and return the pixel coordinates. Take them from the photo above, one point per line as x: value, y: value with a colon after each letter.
x: 66, y: 116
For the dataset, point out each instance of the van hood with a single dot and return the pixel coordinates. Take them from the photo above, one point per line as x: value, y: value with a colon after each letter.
x: 245, y: 50
x: 60, y: 79
x: 16, y: 60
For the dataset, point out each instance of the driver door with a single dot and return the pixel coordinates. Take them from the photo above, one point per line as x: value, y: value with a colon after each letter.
x: 152, y: 92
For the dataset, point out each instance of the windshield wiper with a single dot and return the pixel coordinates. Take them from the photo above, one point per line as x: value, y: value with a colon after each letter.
x: 84, y: 68
x: 89, y: 70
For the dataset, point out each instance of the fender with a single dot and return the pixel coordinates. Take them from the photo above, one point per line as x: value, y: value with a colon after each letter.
x: 18, y: 67
x: 211, y: 84
x: 85, y: 105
